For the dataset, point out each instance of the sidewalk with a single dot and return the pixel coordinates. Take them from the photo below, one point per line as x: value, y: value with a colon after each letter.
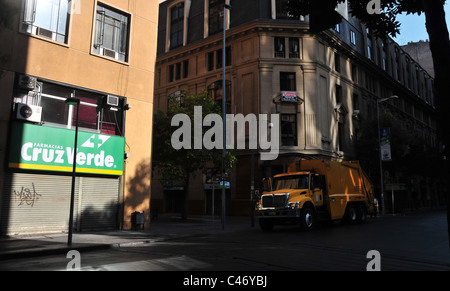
x: 165, y: 228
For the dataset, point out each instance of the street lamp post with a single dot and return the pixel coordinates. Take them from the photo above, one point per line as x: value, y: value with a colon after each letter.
x: 379, y: 145
x: 75, y: 102
x: 224, y: 96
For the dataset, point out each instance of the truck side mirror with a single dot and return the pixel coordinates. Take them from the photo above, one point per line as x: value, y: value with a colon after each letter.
x: 267, y: 184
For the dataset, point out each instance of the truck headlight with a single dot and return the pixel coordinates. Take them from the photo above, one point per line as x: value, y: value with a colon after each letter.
x: 294, y: 205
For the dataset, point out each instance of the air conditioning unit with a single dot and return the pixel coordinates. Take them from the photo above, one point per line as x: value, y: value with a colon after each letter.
x: 112, y: 100
x: 29, y: 112
x: 45, y: 32
x: 27, y: 82
x: 109, y: 53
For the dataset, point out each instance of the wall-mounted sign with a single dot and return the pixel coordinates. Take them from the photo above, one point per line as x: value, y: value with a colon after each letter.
x: 35, y: 147
x: 289, y: 96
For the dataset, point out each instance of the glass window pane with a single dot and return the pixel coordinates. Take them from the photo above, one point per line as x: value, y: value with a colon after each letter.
x: 56, y: 90
x: 88, y: 117
x: 47, y: 14
x: 98, y: 30
x: 111, y: 32
x: 63, y: 17
x: 29, y: 11
x: 287, y: 81
x: 108, y: 33
x: 177, y: 25
x: 288, y: 130
x: 112, y: 122
x: 54, y: 110
x: 123, y: 47
x: 215, y: 16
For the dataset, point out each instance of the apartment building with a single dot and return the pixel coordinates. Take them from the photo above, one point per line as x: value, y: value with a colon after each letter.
x: 91, y: 50
x: 324, y: 86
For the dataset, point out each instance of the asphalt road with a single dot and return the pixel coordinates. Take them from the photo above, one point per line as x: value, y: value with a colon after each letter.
x: 415, y: 242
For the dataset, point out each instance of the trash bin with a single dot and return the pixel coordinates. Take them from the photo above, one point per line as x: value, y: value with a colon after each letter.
x: 137, y: 219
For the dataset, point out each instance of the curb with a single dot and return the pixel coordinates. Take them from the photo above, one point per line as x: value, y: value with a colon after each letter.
x: 51, y: 251
x: 64, y: 248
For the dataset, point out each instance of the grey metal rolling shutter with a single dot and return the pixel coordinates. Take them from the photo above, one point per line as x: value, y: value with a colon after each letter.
x: 35, y: 203
x: 99, y: 203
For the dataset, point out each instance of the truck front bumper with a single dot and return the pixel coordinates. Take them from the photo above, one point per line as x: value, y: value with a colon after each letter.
x: 278, y: 213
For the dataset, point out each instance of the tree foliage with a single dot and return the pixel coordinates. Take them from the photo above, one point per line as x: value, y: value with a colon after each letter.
x: 178, y: 166
x: 384, y: 23
x: 175, y: 165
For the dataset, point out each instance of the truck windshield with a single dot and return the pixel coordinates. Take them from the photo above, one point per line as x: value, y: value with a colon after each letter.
x: 291, y: 182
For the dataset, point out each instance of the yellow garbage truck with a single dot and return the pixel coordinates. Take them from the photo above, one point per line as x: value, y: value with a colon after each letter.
x: 314, y: 190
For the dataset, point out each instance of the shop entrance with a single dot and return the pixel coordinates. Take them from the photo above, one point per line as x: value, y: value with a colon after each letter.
x: 174, y: 200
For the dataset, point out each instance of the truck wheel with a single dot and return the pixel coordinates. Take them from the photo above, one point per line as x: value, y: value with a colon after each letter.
x: 351, y: 214
x: 266, y: 224
x: 307, y: 218
x: 361, y: 214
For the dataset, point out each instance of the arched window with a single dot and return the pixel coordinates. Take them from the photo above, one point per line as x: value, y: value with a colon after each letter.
x: 176, y: 98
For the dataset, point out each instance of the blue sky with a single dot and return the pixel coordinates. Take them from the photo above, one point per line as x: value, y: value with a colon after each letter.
x: 413, y: 27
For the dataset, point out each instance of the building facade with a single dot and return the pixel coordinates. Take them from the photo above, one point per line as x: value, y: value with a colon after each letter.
x: 325, y: 87
x: 94, y: 51
x: 420, y: 51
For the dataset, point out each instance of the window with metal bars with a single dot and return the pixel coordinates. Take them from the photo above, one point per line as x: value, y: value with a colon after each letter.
x: 111, y: 33
x: 95, y: 113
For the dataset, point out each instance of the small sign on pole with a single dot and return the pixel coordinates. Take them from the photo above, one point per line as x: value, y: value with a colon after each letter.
x: 385, y: 144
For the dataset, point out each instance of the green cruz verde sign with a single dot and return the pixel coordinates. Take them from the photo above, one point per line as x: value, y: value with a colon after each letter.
x: 44, y: 148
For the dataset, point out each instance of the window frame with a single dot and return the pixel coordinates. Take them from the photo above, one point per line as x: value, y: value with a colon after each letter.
x: 48, y: 91
x: 185, y: 68
x: 28, y: 22
x: 279, y: 47
x: 338, y: 94
x: 337, y: 62
x: 289, y: 139
x: 292, y: 53
x: 178, y: 71
x: 210, y: 61
x: 99, y: 48
x: 352, y: 37
x: 290, y: 82
x: 215, y: 91
x: 214, y: 59
x: 370, y: 52
x: 215, y: 18
x: 337, y: 28
x: 180, y: 6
